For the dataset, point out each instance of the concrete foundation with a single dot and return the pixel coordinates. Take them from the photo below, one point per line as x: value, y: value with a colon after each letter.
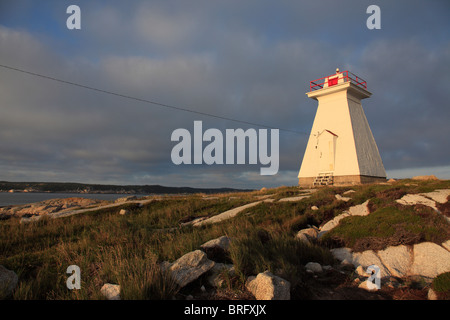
x: 342, y: 180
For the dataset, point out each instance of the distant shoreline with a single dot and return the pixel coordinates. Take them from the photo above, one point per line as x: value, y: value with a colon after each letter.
x: 82, y: 188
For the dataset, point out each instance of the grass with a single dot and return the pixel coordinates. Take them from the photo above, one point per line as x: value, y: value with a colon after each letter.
x: 389, y: 226
x: 441, y: 285
x: 127, y: 249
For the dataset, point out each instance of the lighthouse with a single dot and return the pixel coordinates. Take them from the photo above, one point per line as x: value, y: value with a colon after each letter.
x: 341, y: 149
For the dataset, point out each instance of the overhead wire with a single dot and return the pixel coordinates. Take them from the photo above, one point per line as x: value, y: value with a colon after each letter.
x: 146, y: 100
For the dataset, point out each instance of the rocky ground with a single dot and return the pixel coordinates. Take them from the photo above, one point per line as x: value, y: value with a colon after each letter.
x: 401, y: 271
x: 49, y: 206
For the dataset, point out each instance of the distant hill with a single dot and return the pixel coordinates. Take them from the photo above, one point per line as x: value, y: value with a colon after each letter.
x: 71, y: 187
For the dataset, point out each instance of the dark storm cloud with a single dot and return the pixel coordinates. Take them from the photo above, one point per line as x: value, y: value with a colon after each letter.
x: 248, y: 60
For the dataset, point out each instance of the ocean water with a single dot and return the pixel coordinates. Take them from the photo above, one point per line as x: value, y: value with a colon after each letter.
x: 18, y: 198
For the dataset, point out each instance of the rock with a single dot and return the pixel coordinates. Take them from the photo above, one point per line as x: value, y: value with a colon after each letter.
x: 342, y: 254
x: 438, y: 195
x: 332, y: 223
x: 313, y: 267
x: 314, y: 208
x: 125, y: 199
x: 8, y: 282
x: 430, y: 177
x: 360, y: 209
x: 446, y: 245
x: 111, y: 291
x: 339, y: 197
x: 396, y: 259
x: 293, y: 199
x: 221, y: 242
x: 413, y: 199
x: 189, y: 267
x: 215, y: 278
x: 368, y: 258
x: 123, y: 212
x: 349, y: 192
x: 430, y: 260
x: 24, y: 220
x: 266, y: 286
x: 368, y: 285
x: 432, y: 295
x: 302, y: 237
x: 217, y: 249
x: 307, y: 234
x: 361, y: 272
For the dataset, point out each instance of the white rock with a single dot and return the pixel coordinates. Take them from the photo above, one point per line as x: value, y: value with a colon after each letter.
x: 342, y: 254
x: 313, y: 267
x: 368, y: 286
x: 123, y: 212
x: 293, y: 199
x: 413, y: 199
x: 302, y: 237
x: 349, y: 191
x: 314, y: 208
x: 430, y: 260
x: 397, y: 260
x: 446, y: 245
x: 361, y: 272
x: 339, y: 197
x: 190, y: 266
x: 309, y: 232
x: 360, y: 209
x: 111, y: 291
x: 333, y: 223
x: 432, y: 295
x: 438, y: 195
x: 368, y: 258
x: 266, y: 286
x: 221, y: 242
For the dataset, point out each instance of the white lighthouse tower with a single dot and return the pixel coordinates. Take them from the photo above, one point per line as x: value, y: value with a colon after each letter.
x: 341, y: 149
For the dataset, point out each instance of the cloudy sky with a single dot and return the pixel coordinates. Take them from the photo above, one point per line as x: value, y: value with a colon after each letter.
x: 249, y: 60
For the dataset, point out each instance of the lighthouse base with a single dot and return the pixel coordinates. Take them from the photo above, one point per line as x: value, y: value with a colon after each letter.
x: 308, y: 182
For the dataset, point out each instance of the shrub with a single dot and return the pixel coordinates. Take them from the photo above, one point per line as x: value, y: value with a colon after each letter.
x: 389, y: 226
x: 441, y: 285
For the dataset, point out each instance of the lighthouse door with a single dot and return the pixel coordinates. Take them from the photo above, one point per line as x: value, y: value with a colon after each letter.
x: 326, y: 150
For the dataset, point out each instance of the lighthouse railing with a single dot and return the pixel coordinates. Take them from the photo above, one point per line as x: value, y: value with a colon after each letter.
x: 346, y: 76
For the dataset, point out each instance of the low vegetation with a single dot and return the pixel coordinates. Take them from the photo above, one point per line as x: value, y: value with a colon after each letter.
x: 127, y: 249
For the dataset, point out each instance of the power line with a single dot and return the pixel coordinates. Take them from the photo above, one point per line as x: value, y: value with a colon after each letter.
x: 145, y: 100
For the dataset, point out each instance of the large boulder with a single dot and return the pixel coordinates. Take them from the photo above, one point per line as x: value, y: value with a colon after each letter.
x: 190, y: 267
x: 8, y: 282
x: 396, y: 259
x: 266, y: 286
x: 430, y: 260
x: 368, y: 258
